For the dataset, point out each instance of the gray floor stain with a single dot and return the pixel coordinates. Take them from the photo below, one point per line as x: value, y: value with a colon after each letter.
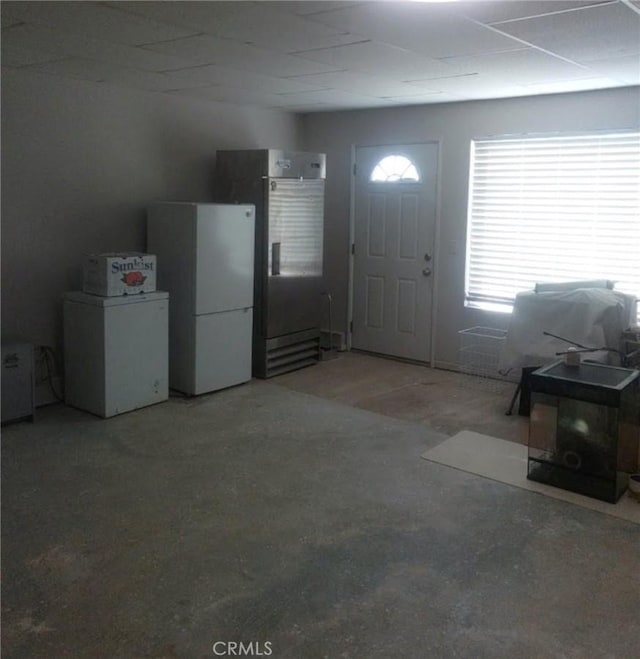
x: 265, y: 514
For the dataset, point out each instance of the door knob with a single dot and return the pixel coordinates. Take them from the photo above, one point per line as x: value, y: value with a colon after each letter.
x: 426, y: 272
x: 427, y: 257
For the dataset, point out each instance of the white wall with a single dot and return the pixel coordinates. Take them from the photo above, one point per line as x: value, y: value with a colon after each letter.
x: 454, y: 125
x: 80, y: 161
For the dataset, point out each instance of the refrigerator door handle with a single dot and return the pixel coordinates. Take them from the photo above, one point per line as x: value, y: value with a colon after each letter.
x: 275, y: 258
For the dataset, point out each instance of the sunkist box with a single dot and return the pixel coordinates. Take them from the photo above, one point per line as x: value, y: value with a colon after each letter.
x: 123, y: 273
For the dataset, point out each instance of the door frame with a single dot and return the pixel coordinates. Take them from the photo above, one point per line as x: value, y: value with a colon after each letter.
x: 436, y: 240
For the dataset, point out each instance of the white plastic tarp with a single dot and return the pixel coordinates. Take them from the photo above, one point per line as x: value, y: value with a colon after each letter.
x: 593, y: 317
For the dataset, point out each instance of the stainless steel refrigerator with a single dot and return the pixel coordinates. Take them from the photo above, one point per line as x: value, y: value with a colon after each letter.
x: 287, y: 190
x: 205, y: 261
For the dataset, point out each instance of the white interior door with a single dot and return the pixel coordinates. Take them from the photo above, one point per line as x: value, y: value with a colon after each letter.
x: 395, y: 215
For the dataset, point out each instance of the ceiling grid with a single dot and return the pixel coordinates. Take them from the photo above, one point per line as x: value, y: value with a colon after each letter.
x: 314, y: 56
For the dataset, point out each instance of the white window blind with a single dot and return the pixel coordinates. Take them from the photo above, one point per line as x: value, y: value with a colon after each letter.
x: 552, y: 209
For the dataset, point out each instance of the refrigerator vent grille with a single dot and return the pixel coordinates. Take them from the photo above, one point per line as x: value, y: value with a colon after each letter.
x: 292, y: 357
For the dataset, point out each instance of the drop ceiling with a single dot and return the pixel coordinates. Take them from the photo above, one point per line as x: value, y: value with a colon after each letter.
x: 318, y: 56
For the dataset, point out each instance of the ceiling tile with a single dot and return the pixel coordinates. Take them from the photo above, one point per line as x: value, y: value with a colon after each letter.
x: 478, y: 87
x: 405, y: 52
x: 86, y: 69
x: 255, y: 23
x: 417, y: 99
x: 304, y: 108
x: 307, y: 8
x: 625, y: 69
x: 283, y: 31
x: 571, y: 85
x: 519, y: 66
x: 383, y: 103
x: 329, y: 105
x: 291, y: 103
x: 197, y: 16
x: 91, y: 19
x: 75, y: 67
x: 34, y: 38
x: 433, y: 30
x: 495, y: 93
x: 150, y: 81
x: 495, y: 11
x: 205, y: 49
x: 378, y: 59
x: 7, y: 20
x: 464, y: 84
x: 220, y: 93
x: 361, y: 84
x: 17, y: 57
x: 22, y: 46
x: 328, y: 97
x: 219, y: 75
x: 594, y: 33
x: 57, y: 44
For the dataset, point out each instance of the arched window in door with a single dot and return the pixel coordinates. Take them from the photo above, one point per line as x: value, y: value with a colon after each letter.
x: 394, y: 168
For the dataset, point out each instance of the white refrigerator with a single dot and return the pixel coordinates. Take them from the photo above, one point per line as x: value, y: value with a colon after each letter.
x: 205, y: 258
x: 115, y: 351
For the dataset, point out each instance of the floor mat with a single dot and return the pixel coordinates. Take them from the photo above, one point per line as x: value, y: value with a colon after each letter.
x: 506, y: 462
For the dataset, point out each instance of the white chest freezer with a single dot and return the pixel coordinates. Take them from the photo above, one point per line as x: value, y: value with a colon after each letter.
x: 116, y: 351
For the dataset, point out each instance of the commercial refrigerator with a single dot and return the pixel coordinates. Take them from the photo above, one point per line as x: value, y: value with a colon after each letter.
x: 287, y: 190
x: 115, y: 351
x: 205, y: 260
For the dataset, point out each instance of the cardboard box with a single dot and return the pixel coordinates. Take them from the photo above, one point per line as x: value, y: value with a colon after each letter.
x: 125, y: 273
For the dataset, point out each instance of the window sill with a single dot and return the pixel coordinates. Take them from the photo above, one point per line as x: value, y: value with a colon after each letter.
x: 495, y: 307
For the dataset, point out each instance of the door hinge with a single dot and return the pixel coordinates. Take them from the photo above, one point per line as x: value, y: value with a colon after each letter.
x: 351, y: 327
x: 354, y: 168
x: 353, y: 248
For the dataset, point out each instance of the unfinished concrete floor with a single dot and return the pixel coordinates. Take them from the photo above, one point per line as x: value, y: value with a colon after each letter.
x: 444, y: 401
x: 265, y: 515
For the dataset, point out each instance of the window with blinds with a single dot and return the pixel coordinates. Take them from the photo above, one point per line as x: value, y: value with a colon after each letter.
x: 552, y: 209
